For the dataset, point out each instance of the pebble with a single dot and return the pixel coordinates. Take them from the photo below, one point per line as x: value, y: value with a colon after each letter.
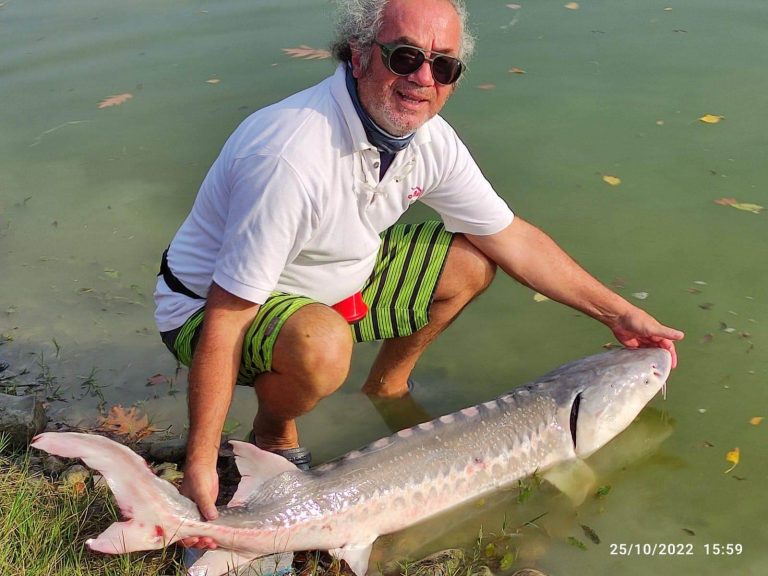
x: 21, y: 418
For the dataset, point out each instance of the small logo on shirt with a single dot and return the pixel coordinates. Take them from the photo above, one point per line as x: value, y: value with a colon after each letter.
x: 415, y: 193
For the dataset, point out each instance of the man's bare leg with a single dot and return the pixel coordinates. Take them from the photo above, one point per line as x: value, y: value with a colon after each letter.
x: 310, y: 361
x: 467, y: 273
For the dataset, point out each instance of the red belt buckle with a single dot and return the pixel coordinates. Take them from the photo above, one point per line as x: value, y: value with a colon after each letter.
x: 352, y: 308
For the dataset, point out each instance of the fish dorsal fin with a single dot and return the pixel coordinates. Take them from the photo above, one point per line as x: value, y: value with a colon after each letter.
x: 256, y: 466
x: 357, y: 556
x: 574, y: 478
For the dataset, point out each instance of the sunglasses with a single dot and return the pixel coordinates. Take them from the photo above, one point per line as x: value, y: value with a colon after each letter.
x: 403, y: 60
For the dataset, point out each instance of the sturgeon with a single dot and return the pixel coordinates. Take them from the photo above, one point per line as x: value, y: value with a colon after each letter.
x: 343, y: 506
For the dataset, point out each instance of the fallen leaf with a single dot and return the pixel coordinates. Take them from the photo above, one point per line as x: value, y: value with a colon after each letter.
x: 539, y: 297
x: 127, y: 423
x: 517, y: 70
x: 603, y: 491
x: 711, y: 118
x: 745, y: 206
x: 212, y: 81
x: 307, y: 52
x: 573, y: 541
x: 756, y: 420
x: 507, y: 561
x: 640, y: 295
x: 514, y: 6
x: 486, y: 86
x: 115, y: 100
x: 590, y: 533
x: 706, y: 305
x: 572, y: 5
x: 754, y: 208
x: 168, y: 471
x: 612, y: 180
x: 158, y: 379
x: 727, y: 329
x: 733, y: 457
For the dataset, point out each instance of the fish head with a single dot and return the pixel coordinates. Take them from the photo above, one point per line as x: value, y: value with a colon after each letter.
x: 599, y: 396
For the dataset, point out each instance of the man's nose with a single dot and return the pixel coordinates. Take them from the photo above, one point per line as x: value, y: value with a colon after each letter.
x: 423, y: 75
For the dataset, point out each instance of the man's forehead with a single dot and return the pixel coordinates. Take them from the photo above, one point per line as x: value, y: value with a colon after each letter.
x: 430, y: 24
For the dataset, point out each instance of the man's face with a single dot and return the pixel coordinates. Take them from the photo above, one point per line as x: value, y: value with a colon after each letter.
x: 400, y: 104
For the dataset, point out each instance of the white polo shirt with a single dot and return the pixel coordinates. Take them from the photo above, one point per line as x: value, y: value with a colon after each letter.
x: 293, y: 203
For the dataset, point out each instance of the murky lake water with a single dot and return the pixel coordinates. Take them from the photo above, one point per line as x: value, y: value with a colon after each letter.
x: 89, y: 197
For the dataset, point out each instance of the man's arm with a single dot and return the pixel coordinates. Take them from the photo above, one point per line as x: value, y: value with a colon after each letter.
x: 211, y: 383
x: 534, y: 259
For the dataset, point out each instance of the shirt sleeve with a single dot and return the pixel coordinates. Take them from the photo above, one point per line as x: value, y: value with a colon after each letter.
x: 269, y: 219
x: 464, y: 198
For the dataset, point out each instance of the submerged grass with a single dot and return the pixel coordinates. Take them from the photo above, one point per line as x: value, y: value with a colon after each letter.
x: 44, y: 528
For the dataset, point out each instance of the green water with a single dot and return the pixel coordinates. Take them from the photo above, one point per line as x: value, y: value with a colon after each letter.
x: 89, y: 197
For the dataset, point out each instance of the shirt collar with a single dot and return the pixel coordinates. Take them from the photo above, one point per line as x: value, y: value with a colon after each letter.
x: 356, y: 140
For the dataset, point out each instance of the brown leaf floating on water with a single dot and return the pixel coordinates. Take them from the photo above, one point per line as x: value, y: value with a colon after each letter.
x: 307, y: 52
x: 115, y: 100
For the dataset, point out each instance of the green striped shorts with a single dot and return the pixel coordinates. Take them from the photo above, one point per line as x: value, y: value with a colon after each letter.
x: 398, y: 293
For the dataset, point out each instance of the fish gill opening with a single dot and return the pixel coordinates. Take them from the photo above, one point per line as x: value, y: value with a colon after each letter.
x: 575, y: 417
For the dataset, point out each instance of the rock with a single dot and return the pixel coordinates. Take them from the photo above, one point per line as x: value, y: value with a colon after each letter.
x: 21, y: 418
x: 440, y: 563
x: 75, y: 474
x: 53, y: 465
x: 173, y: 450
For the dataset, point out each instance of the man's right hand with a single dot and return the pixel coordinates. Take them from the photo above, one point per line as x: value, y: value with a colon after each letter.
x: 201, y: 485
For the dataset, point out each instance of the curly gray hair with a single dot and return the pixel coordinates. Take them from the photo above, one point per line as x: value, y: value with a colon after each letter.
x: 359, y: 21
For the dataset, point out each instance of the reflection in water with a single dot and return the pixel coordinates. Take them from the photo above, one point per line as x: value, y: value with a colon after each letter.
x: 534, y: 515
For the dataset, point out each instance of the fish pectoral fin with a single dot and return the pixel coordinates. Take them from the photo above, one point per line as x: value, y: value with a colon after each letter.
x: 219, y: 562
x: 574, y: 478
x: 356, y: 555
x: 256, y: 466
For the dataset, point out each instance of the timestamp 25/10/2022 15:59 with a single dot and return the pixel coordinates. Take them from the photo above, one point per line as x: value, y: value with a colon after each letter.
x: 679, y: 549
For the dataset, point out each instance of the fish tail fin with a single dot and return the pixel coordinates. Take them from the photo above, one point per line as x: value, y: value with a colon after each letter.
x: 154, y: 510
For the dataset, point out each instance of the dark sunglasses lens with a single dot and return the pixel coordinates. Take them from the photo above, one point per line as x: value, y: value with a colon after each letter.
x: 405, y: 60
x: 446, y: 70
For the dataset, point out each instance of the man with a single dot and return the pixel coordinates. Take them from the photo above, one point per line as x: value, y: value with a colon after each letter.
x: 287, y: 224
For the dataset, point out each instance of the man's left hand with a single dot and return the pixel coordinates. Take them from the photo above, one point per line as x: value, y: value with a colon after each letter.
x: 638, y: 329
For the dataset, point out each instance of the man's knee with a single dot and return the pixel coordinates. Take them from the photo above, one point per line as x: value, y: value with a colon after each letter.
x: 468, y: 272
x: 314, y: 348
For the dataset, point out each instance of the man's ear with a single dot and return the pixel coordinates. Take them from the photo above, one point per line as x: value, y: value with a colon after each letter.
x: 356, y: 61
